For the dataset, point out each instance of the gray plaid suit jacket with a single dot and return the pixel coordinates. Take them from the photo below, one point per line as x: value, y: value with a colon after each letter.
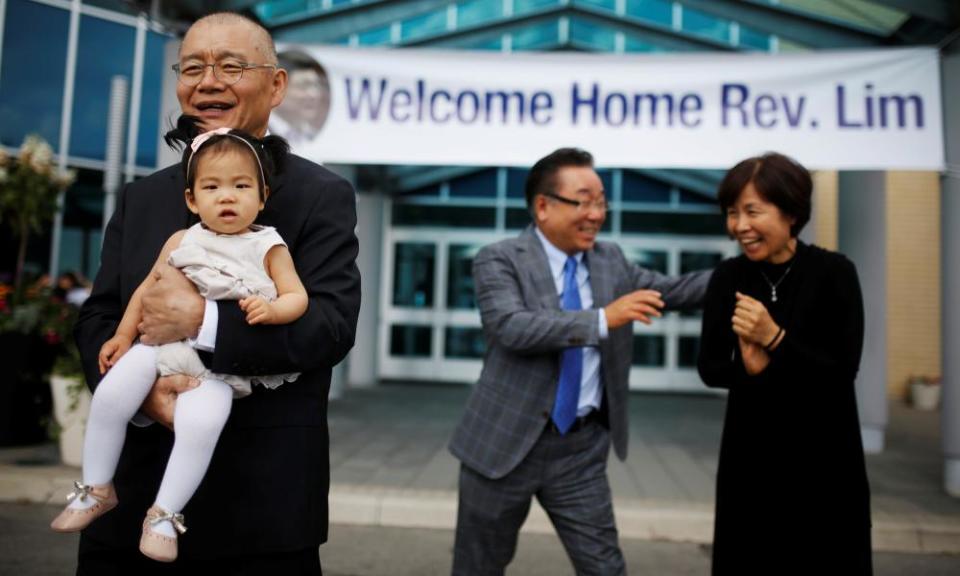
x: 525, y: 330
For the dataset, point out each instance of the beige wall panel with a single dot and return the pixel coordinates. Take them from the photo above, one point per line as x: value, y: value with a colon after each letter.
x: 825, y: 208
x: 913, y: 277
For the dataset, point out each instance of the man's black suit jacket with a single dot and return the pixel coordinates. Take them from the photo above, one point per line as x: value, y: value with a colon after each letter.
x: 266, y: 489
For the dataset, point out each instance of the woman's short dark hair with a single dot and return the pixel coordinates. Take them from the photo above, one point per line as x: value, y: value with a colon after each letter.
x: 778, y: 179
x: 542, y: 177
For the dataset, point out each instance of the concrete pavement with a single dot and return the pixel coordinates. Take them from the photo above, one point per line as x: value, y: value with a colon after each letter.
x: 29, y: 548
x: 390, y: 468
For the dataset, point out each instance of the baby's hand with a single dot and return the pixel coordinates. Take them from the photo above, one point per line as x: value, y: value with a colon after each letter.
x: 258, y: 310
x: 111, y: 352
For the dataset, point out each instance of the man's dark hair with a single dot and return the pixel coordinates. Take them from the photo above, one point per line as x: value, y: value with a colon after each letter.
x: 542, y: 177
x: 778, y: 179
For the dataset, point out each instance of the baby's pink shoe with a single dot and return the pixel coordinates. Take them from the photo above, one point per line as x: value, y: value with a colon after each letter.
x: 75, y: 520
x: 157, y: 546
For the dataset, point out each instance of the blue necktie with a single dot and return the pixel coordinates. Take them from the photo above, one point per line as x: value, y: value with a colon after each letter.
x: 571, y: 363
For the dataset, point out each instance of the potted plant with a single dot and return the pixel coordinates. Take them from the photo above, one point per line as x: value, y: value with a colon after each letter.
x: 31, y: 319
x: 71, y: 403
x: 925, y: 392
x: 33, y: 328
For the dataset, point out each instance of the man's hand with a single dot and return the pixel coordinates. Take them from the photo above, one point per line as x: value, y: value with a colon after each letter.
x: 172, y: 308
x: 162, y: 399
x: 752, y: 322
x: 755, y: 358
x: 111, y: 351
x: 639, y: 305
x: 258, y: 310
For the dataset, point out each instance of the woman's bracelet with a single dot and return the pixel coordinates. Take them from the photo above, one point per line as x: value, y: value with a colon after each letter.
x: 769, y: 347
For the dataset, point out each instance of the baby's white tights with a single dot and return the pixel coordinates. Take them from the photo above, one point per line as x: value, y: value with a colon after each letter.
x: 198, y: 419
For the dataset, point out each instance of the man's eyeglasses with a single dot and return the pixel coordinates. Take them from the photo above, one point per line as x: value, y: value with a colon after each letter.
x: 228, y: 71
x: 582, y: 206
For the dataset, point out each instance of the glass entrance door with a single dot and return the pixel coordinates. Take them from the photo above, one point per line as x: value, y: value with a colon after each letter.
x: 665, y: 353
x: 430, y: 327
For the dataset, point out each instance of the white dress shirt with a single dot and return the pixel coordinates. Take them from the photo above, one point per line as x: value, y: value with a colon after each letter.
x: 207, y: 336
x: 590, y: 392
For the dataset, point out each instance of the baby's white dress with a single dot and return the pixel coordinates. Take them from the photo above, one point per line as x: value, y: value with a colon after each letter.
x: 223, y: 267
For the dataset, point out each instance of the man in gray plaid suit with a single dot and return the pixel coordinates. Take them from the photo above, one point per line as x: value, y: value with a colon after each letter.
x: 557, y: 309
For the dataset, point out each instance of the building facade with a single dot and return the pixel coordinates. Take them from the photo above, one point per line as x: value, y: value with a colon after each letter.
x: 421, y: 225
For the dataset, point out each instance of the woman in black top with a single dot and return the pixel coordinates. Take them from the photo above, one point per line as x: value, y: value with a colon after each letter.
x: 783, y: 331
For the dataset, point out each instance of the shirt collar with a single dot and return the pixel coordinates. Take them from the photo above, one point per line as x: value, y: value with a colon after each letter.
x: 556, y: 257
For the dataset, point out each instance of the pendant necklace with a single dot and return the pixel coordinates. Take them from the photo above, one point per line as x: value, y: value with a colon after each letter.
x: 773, y: 285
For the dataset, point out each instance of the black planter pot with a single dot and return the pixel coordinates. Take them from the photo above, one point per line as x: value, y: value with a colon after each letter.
x: 25, y: 402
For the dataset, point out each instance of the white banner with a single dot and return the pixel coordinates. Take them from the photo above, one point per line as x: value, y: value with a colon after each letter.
x: 851, y: 110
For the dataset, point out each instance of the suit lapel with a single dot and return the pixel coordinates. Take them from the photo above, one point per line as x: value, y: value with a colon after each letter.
x: 154, y: 211
x: 533, y: 259
x: 601, y: 281
x: 269, y: 215
x: 179, y: 214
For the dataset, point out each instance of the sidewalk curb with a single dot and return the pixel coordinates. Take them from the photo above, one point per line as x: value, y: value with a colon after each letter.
x: 636, y: 519
x: 437, y: 509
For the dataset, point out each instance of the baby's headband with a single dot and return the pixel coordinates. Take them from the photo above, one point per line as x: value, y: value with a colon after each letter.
x: 223, y: 131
